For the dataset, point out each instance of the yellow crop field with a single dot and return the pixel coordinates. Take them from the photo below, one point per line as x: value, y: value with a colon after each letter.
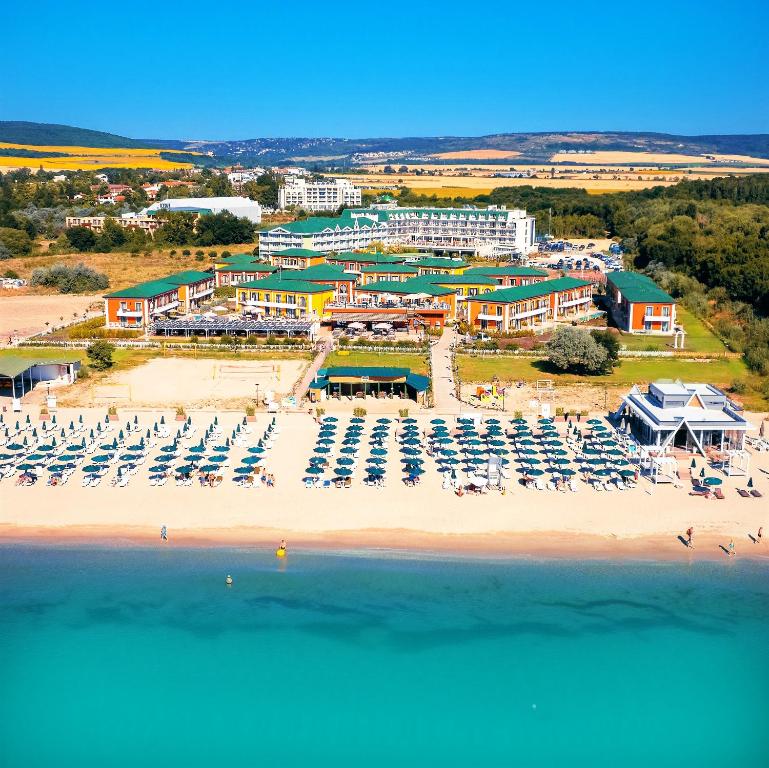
x: 478, y: 154
x: 88, y: 158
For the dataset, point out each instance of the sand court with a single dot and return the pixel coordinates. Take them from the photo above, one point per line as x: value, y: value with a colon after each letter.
x: 200, y: 382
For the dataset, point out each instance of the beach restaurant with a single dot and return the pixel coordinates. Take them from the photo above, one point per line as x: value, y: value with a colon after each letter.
x: 362, y: 381
x: 691, y: 417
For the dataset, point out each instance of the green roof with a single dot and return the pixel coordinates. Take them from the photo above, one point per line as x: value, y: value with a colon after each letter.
x: 237, y: 257
x: 306, y: 252
x: 318, y: 223
x: 364, y: 370
x: 187, y: 277
x: 143, y: 290
x: 318, y: 272
x: 367, y: 258
x: 250, y: 267
x: 276, y: 282
x: 392, y: 268
x: 12, y: 365
x: 435, y: 262
x: 507, y: 271
x: 636, y: 287
x: 523, y: 292
x: 462, y: 213
x: 463, y: 279
x: 412, y: 285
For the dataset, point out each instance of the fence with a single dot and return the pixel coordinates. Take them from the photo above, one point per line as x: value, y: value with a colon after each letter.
x: 127, y: 344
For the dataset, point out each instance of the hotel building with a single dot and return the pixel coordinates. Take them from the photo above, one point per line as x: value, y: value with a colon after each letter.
x: 326, y: 195
x: 508, y: 277
x: 639, y: 305
x: 489, y: 233
x: 283, y: 296
x: 296, y: 258
x: 530, y: 306
x: 148, y: 223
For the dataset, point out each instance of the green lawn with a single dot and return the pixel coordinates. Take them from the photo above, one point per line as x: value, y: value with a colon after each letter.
x: 417, y: 363
x: 698, y: 337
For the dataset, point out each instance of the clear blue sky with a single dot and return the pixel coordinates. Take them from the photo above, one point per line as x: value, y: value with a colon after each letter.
x: 224, y: 70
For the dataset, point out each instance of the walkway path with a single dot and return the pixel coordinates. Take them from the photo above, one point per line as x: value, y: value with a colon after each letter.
x: 326, y: 345
x: 444, y: 399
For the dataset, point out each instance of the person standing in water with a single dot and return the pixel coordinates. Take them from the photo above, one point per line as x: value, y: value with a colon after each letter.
x: 164, y: 534
x: 731, y: 548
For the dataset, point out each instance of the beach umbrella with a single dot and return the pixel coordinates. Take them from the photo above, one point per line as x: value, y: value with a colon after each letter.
x: 356, y: 420
x: 321, y: 449
x: 343, y: 472
x: 15, y: 447
x: 351, y: 441
x: 410, y: 441
x: 375, y: 472
x: 474, y: 452
x: 492, y: 421
x: 326, y: 433
x: 497, y: 443
x: 92, y: 469
x: 378, y: 452
x: 500, y: 451
x: 594, y: 462
x: 221, y: 449
x: 409, y: 421
x: 443, y: 441
x: 311, y: 470
x: 168, y: 448
x: 413, y: 461
x: 411, y: 452
x: 450, y: 461
x: 244, y: 470
x: 159, y: 468
x: 566, y: 472
x: 329, y: 418
x: 593, y: 421
x: 343, y: 462
x: 218, y: 459
x: 349, y: 450
x: 101, y: 459
x: 209, y: 468
x: 702, y: 472
x: 25, y: 467
x: 527, y: 452
x: 527, y: 441
x: 554, y: 443
x: 376, y: 460
x: 560, y: 462
x: 599, y: 428
x: 558, y: 452
x: 693, y: 465
x: 250, y: 460
x: 185, y: 469
x: 198, y: 448
x: 128, y: 457
x: 475, y: 460
x: 437, y: 421
x: 621, y: 463
x: 415, y: 471
x: 36, y: 457
x: 383, y: 420
x: 626, y: 473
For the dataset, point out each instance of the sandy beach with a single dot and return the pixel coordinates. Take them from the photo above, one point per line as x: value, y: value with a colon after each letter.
x: 644, y: 522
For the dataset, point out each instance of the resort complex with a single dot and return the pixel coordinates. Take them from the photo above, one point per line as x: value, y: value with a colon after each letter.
x: 490, y: 233
x: 639, y: 305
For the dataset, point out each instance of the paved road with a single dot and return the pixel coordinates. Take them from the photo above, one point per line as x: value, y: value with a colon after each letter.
x: 443, y: 377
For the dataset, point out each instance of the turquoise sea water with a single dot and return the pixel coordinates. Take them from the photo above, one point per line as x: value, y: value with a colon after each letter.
x: 145, y: 658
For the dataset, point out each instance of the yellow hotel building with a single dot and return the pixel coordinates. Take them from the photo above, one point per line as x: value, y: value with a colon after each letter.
x: 275, y: 296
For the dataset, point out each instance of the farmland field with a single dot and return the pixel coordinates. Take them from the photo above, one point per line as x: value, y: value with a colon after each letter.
x: 88, y: 158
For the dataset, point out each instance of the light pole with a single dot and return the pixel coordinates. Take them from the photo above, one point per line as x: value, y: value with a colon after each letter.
x: 257, y: 395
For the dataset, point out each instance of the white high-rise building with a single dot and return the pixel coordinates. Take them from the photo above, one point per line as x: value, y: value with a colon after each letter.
x: 326, y: 195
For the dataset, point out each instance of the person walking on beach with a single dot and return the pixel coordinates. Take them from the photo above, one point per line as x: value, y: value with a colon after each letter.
x: 164, y: 534
x: 731, y: 548
x: 760, y: 535
x: 690, y: 537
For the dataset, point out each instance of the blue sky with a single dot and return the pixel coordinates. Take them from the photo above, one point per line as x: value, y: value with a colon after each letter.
x: 238, y: 70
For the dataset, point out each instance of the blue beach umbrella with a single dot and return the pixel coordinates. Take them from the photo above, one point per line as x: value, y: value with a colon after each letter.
x: 256, y: 451
x: 375, y: 472
x: 409, y: 421
x: 329, y: 419
x: 378, y: 452
x: 217, y: 459
x: 251, y: 460
x: 413, y: 462
x: 325, y: 441
x: 244, y: 470
x: 345, y: 462
x: 437, y: 421
x: 221, y: 449
x: 93, y: 468
x: 349, y: 450
x: 356, y: 420
x: 530, y: 472
x: 321, y: 449
x: 209, y: 468
x: 312, y: 470
x: 343, y: 472
x: 376, y: 460
x: 159, y: 468
x: 383, y: 420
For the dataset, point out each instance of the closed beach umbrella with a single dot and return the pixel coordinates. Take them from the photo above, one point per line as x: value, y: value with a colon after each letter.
x: 693, y: 465
x: 702, y: 472
x: 750, y: 481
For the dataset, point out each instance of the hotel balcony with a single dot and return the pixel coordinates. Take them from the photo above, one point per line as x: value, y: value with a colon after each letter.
x: 362, y: 304
x: 202, y: 293
x: 165, y: 308
x: 130, y: 313
x: 575, y: 302
x: 252, y: 303
x: 657, y: 318
x: 495, y: 318
x: 531, y: 313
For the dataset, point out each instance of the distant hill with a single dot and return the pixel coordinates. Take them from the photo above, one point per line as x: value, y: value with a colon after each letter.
x: 530, y: 147
x: 52, y: 135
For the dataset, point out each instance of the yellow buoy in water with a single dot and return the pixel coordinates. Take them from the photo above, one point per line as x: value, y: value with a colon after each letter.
x: 228, y: 580
x: 280, y: 552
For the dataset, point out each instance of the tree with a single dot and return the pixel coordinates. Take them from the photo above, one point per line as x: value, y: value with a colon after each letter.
x: 78, y: 279
x: 224, y: 229
x: 178, y: 228
x: 610, y: 343
x: 80, y: 238
x: 100, y: 354
x: 17, y: 241
x: 574, y: 349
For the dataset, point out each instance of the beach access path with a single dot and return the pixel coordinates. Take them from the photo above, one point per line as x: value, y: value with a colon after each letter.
x: 441, y: 356
x: 326, y: 345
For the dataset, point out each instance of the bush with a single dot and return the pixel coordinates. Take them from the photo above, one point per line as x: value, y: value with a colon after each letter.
x: 212, y: 254
x: 199, y: 257
x: 226, y: 339
x: 180, y: 411
x: 10, y: 273
x: 172, y: 252
x: 252, y: 340
x: 84, y: 372
x: 738, y: 387
x: 186, y: 252
x: 79, y: 279
x: 16, y: 241
x: 100, y: 355
x: 4, y: 253
x: 250, y: 410
x: 224, y: 292
x: 359, y: 412
x: 403, y: 413
x: 757, y: 358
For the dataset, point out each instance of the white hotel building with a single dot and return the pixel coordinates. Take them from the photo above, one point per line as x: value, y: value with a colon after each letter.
x: 475, y: 232
x: 325, y: 195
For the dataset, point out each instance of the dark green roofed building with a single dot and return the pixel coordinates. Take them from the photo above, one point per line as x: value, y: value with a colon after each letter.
x: 638, y: 305
x: 360, y: 382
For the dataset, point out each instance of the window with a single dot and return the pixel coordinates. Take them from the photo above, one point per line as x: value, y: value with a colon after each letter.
x: 649, y: 310
x: 666, y: 311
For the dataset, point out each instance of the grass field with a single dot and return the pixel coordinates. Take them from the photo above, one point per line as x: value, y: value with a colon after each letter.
x: 699, y: 338
x: 123, y: 268
x: 417, y: 363
x: 89, y: 158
